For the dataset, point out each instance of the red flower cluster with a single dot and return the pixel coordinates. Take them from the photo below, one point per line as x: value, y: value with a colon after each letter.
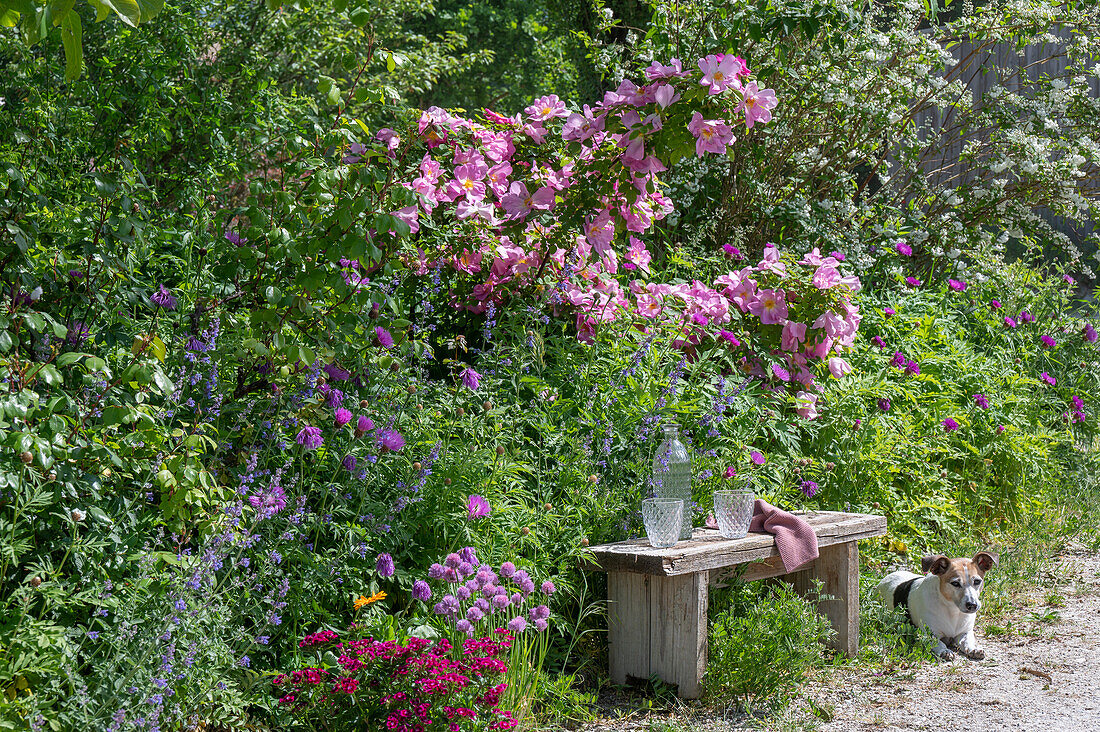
x: 415, y: 686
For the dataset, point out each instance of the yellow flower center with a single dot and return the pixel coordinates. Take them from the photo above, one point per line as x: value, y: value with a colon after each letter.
x: 769, y: 303
x: 718, y: 76
x: 467, y: 184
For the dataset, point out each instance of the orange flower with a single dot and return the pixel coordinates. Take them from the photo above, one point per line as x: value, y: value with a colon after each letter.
x: 361, y: 602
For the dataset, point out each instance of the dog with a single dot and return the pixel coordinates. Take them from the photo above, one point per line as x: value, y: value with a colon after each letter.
x: 945, y: 600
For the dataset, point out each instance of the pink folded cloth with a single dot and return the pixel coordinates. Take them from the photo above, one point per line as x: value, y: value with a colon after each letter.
x: 794, y: 538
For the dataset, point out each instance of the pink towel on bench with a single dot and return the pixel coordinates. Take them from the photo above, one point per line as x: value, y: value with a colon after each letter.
x: 794, y: 538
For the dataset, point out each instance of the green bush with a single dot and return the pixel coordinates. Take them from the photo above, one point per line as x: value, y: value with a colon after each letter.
x: 763, y: 644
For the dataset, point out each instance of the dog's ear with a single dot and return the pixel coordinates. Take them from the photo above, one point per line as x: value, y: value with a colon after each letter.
x: 985, y: 560
x: 937, y: 564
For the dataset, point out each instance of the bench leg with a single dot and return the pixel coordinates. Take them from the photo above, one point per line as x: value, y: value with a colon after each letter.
x: 838, y: 569
x: 657, y: 626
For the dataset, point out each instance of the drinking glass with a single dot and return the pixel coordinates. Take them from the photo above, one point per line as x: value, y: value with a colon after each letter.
x: 662, y: 518
x: 733, y: 511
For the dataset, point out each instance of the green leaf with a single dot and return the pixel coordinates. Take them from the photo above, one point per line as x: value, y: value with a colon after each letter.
x: 70, y: 39
x: 390, y: 63
x: 50, y: 374
x: 5, y: 341
x: 68, y: 359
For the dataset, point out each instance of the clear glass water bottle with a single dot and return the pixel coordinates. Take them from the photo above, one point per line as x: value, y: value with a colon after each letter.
x: 672, y: 474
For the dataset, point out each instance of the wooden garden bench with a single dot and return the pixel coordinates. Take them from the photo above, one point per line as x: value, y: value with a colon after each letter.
x: 657, y: 598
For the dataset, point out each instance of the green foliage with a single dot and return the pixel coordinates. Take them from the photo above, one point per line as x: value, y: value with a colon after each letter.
x: 763, y: 644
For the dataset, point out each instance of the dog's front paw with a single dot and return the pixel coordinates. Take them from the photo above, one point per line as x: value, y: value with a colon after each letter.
x: 947, y: 655
x: 975, y: 654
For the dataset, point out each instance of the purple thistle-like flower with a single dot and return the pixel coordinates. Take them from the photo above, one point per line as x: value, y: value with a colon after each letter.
x: 912, y: 368
x: 1000, y: 428
x: 996, y: 304
x: 781, y: 373
x: 1090, y: 333
x: 903, y: 249
x: 421, y: 591
x: 1078, y: 403
x: 1048, y: 342
x: 1048, y: 378
x: 336, y: 373
x: 383, y: 337
x: 476, y: 507
x: 310, y: 437
x: 879, y: 343
x: 1009, y: 322
x: 470, y: 379
x: 390, y: 440
x: 343, y: 416
x: 912, y: 282
x: 809, y: 488
x: 163, y: 298
x: 234, y: 238
x: 384, y: 566
x: 884, y: 404
x: 1026, y: 317
x: 889, y: 312
x: 363, y: 425
x: 950, y: 425
x: 729, y: 338
x: 898, y: 360
x: 981, y: 401
x: 757, y: 457
x: 956, y: 285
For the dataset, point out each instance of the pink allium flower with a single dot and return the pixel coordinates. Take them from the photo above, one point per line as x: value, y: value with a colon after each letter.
x: 770, y: 306
x: 719, y: 72
x: 956, y: 285
x: 950, y: 425
x: 1048, y: 342
x: 757, y: 104
x: 517, y: 624
x: 711, y: 135
x: 548, y: 588
x: 343, y: 416
x: 903, y: 249
x: 310, y: 437
x: 470, y: 379
x: 477, y: 507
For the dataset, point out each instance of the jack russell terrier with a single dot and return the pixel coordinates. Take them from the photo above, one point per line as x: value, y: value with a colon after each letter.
x: 945, y: 600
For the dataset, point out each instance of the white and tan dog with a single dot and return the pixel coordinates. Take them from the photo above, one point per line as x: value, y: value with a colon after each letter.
x: 945, y: 600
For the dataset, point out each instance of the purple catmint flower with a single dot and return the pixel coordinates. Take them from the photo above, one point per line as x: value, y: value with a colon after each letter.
x: 390, y: 440
x: 476, y: 507
x: 809, y: 488
x: 349, y: 462
x: 310, y: 437
x: 981, y: 401
x: 163, y: 298
x: 548, y: 588
x: 470, y: 379
x: 384, y: 566
x: 517, y: 624
x: 884, y: 404
x: 507, y: 570
x: 1048, y: 342
x: 757, y: 457
x: 383, y: 337
x: 421, y: 591
x: 950, y: 425
x: 343, y: 416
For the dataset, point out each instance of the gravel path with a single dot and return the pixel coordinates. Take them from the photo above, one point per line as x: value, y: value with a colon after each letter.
x: 1044, y: 674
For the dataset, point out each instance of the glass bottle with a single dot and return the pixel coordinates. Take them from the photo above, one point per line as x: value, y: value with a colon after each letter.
x: 671, y: 477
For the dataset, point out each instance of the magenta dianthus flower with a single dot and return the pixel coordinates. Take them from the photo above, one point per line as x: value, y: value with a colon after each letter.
x: 310, y: 437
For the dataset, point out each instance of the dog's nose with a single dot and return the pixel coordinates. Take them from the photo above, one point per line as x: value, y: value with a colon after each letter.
x: 971, y: 607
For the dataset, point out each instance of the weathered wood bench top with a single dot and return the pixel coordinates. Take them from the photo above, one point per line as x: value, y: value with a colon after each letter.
x: 707, y: 549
